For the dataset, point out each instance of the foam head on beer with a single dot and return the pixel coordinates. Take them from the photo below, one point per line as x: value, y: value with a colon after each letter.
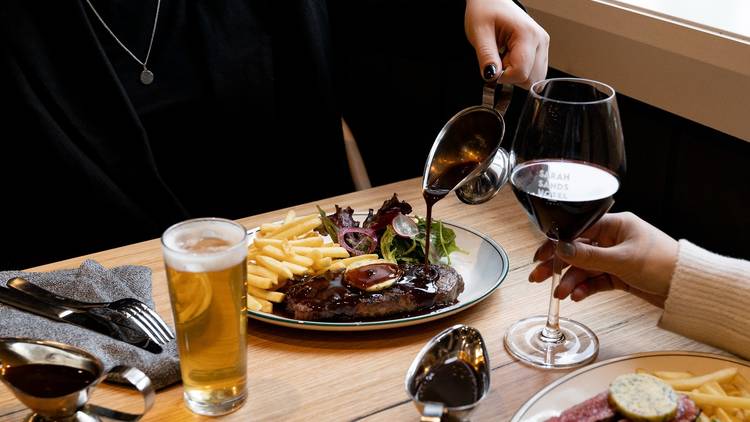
x: 203, y: 246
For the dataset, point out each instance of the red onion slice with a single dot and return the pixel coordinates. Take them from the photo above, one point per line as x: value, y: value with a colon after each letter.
x: 366, y: 243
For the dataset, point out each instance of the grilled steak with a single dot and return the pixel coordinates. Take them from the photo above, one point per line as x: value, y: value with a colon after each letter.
x: 328, y: 297
x: 595, y: 409
x: 598, y: 409
x: 687, y: 411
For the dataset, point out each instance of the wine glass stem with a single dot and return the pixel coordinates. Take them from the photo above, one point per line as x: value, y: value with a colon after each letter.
x: 551, y: 332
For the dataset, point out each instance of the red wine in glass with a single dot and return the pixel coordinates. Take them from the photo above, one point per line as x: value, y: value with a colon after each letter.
x: 563, y: 197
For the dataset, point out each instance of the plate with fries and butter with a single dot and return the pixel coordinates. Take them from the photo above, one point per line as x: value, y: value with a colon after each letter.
x: 655, y: 386
x: 354, y: 271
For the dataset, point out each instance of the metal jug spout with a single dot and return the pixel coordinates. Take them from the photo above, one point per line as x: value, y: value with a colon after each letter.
x: 488, y: 183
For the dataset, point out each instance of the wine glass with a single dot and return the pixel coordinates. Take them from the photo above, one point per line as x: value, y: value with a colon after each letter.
x: 568, y: 160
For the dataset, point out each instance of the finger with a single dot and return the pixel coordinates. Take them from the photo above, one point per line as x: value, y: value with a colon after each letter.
x: 541, y: 272
x: 520, y: 60
x: 545, y: 251
x: 539, y: 70
x: 484, y: 41
x: 605, y: 230
x: 591, y: 257
x: 570, y: 280
x: 596, y: 229
x: 544, y: 270
x: 597, y: 284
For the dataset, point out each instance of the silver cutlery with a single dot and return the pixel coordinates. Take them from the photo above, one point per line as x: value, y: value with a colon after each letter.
x: 134, y: 310
x: 111, y: 324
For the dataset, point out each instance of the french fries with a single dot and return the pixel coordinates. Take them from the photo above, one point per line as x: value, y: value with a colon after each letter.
x: 671, y: 375
x: 343, y: 263
x: 723, y: 375
x: 268, y: 295
x: 288, y: 249
x: 259, y: 282
x: 256, y: 304
x: 719, y: 401
x: 722, y: 395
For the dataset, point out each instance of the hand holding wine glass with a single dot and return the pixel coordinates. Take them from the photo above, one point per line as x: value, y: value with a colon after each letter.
x: 569, y: 158
x: 620, y: 251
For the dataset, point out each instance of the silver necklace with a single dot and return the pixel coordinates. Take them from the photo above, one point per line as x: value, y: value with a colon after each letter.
x: 147, y: 77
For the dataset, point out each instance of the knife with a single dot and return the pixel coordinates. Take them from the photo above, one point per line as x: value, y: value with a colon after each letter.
x: 103, y: 321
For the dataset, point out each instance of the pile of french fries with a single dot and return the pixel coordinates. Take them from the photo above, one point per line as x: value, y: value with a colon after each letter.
x: 723, y: 395
x: 288, y: 249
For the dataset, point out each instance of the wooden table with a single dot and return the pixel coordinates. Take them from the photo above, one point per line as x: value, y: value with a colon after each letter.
x: 297, y: 375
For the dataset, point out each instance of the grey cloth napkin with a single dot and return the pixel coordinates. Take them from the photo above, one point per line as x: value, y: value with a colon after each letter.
x: 93, y: 283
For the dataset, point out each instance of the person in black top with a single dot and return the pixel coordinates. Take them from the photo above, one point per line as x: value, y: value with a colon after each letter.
x: 121, y: 117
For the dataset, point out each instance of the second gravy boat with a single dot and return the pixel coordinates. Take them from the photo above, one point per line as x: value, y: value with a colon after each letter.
x: 56, y: 380
x: 450, y: 375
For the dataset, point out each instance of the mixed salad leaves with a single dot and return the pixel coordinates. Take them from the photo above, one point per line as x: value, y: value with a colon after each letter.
x: 378, y: 234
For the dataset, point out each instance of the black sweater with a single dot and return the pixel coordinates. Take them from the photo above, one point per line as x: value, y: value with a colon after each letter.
x: 243, y: 115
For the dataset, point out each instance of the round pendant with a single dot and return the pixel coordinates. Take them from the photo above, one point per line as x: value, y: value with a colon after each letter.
x: 147, y: 77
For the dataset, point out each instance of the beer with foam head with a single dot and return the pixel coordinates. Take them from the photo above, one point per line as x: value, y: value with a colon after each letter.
x: 205, y: 261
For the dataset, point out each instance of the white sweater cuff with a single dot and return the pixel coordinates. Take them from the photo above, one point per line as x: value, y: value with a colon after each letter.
x: 709, y: 299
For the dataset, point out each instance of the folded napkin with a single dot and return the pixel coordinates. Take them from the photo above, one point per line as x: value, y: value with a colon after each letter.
x: 93, y: 283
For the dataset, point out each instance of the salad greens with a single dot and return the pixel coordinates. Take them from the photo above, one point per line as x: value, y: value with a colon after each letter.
x: 377, y: 235
x: 328, y: 226
x: 401, y: 249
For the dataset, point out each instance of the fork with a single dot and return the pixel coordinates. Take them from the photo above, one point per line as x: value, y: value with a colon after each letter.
x: 141, y: 315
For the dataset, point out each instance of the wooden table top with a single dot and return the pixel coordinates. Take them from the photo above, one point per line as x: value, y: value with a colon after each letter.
x: 296, y: 375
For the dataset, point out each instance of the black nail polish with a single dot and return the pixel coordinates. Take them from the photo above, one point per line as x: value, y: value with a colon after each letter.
x: 566, y: 249
x: 556, y: 293
x: 489, y: 72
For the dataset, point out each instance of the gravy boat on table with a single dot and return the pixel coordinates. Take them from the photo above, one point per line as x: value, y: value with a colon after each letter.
x: 459, y: 347
x: 56, y: 380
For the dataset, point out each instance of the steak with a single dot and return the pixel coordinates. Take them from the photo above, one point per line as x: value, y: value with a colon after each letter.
x: 595, y: 409
x: 328, y: 297
x: 598, y: 409
x: 687, y: 410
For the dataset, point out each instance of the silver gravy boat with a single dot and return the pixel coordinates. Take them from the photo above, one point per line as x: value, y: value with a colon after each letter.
x: 458, y: 344
x: 57, y: 401
x: 473, y: 135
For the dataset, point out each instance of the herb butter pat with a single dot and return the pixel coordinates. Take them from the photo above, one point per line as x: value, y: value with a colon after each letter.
x: 641, y: 397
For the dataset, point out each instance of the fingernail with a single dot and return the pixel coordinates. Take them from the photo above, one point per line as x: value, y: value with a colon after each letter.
x: 531, y: 275
x: 489, y: 72
x: 566, y: 249
x: 556, y: 293
x: 580, y: 293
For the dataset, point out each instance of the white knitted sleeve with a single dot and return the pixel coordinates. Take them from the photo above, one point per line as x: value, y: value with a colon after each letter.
x: 709, y: 299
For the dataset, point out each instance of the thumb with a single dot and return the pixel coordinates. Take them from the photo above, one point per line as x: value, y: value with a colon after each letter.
x: 485, y: 45
x: 589, y: 257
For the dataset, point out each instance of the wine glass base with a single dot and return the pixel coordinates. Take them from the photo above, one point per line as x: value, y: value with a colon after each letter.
x: 578, y: 346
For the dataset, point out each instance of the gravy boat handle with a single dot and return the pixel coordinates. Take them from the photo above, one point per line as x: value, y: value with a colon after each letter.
x: 504, y: 97
x: 141, y: 382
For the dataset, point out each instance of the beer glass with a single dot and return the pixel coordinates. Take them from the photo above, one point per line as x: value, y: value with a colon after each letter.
x: 205, y: 261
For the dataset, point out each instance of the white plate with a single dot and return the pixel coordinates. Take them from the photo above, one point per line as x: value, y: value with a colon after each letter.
x: 593, y: 379
x: 483, y: 268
